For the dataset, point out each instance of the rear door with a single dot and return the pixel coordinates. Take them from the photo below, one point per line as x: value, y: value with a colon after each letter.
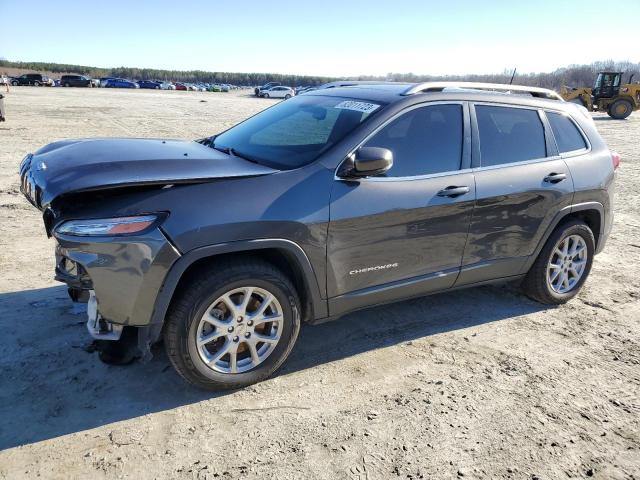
x: 403, y: 233
x: 521, y: 183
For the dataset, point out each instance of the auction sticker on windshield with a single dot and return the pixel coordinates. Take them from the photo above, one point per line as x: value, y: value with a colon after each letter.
x: 363, y: 107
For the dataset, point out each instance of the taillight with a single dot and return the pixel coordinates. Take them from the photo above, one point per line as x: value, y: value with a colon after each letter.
x: 615, y: 158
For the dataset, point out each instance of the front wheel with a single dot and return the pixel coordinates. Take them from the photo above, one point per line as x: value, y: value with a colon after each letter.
x: 232, y: 325
x: 36, y: 84
x: 287, y: 96
x: 266, y: 95
x: 563, y: 265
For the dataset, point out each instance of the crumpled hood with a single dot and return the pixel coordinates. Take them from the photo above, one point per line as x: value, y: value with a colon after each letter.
x: 98, y: 164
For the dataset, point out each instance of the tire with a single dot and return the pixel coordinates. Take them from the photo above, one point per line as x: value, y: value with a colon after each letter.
x: 36, y: 84
x: 189, y: 315
x: 620, y: 109
x: 266, y: 95
x: 537, y: 284
x: 67, y: 85
x: 15, y: 84
x: 287, y: 96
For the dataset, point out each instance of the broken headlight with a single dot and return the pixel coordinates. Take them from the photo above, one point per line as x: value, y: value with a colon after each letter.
x: 107, y: 226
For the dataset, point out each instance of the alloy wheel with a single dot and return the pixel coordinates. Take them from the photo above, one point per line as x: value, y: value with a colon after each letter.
x: 239, y: 330
x: 567, y: 264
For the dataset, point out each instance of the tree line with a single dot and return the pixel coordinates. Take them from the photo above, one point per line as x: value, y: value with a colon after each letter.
x: 572, y: 75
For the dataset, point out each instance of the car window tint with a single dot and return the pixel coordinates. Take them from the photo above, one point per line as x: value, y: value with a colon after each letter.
x: 568, y: 137
x: 423, y: 141
x: 509, y: 135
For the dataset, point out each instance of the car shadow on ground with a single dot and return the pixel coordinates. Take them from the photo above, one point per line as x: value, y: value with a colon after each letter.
x: 51, y: 385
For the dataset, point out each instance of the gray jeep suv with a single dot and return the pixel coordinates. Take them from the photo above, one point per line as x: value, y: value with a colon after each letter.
x: 329, y: 202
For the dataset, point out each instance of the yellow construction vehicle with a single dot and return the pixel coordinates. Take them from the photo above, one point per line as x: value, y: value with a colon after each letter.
x: 607, y: 95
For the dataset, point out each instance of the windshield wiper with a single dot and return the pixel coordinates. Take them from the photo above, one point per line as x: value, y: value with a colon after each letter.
x: 233, y: 152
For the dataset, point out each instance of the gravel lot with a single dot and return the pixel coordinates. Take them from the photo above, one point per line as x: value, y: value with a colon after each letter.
x: 481, y: 383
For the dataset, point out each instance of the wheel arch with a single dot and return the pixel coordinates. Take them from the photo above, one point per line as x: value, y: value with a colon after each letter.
x: 283, y: 254
x: 591, y: 213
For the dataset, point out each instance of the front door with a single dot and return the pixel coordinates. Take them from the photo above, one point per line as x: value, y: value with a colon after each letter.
x: 521, y: 183
x: 403, y: 233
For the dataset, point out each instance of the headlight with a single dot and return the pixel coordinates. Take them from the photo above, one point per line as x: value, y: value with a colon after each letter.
x: 107, y: 226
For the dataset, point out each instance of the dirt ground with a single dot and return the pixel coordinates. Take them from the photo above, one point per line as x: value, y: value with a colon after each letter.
x: 481, y: 383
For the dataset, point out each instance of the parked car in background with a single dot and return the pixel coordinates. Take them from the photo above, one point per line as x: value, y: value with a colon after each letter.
x: 167, y: 86
x: 120, y: 83
x: 152, y: 84
x: 266, y: 86
x: 215, y: 88
x: 181, y: 86
x: 33, y: 79
x: 104, y: 80
x: 75, y: 81
x: 278, y: 92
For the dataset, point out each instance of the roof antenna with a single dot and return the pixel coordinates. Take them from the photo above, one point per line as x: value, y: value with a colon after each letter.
x: 513, y: 75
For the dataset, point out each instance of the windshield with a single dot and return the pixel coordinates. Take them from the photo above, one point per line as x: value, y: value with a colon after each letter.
x: 295, y: 132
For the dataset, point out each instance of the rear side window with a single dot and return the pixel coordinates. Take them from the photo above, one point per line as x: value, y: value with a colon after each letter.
x: 423, y: 141
x: 568, y: 137
x: 509, y: 135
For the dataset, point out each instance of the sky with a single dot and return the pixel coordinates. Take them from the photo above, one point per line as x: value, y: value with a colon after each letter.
x: 323, y: 37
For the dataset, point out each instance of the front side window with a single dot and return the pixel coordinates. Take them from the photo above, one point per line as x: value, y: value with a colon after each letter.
x: 294, y: 133
x: 423, y: 141
x: 509, y: 135
x: 568, y: 137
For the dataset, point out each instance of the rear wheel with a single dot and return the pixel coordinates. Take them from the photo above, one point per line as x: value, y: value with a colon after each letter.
x: 620, y: 109
x: 287, y: 96
x: 232, y: 325
x: 563, y: 265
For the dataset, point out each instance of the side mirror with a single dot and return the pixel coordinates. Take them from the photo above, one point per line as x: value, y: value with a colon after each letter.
x: 370, y: 161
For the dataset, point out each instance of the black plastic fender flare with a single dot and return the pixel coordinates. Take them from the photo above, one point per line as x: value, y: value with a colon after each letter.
x: 319, y: 305
x: 563, y: 213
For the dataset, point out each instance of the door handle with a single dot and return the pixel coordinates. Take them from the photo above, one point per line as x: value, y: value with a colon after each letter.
x: 555, y: 177
x: 453, y: 191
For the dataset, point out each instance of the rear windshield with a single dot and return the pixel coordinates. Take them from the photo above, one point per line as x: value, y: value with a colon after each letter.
x: 295, y: 132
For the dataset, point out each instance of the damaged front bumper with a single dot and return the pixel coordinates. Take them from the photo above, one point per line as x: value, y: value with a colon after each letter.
x: 120, y: 278
x: 97, y: 326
